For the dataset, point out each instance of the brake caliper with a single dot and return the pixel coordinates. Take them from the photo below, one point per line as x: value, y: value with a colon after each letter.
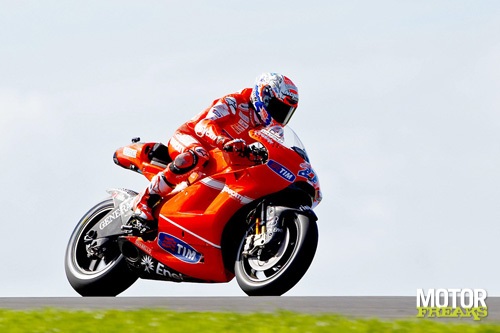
x: 269, y: 233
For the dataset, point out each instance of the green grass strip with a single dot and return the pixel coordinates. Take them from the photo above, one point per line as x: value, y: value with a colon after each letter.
x: 150, y: 321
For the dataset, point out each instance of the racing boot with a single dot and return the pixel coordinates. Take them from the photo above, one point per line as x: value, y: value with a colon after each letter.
x: 146, y: 201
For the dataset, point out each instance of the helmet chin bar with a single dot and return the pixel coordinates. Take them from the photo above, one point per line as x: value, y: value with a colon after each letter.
x: 280, y: 111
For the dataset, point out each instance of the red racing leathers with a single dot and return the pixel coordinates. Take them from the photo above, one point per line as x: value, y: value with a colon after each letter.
x: 228, y: 118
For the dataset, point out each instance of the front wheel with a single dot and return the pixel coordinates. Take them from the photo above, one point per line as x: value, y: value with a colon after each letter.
x: 275, y: 275
x: 104, y: 273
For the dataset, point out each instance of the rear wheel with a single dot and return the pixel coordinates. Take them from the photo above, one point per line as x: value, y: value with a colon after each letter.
x: 276, y: 273
x: 105, y: 272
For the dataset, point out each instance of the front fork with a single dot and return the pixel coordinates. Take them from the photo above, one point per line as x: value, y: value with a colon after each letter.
x: 268, y: 231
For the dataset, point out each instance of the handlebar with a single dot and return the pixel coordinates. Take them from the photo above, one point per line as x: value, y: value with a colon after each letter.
x: 255, y: 152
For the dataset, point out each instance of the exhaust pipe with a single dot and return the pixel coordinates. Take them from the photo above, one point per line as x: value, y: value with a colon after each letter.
x: 128, y: 250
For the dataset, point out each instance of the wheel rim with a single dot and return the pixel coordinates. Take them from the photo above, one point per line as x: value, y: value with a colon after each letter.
x: 262, y: 271
x: 83, y: 266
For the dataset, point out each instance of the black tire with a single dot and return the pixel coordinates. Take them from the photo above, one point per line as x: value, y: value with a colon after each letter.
x: 108, y: 276
x: 280, y: 273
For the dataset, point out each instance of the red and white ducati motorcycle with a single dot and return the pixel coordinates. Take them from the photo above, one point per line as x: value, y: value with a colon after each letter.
x: 251, y: 218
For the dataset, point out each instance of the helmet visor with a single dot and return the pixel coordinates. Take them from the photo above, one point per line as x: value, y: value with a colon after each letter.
x: 280, y: 111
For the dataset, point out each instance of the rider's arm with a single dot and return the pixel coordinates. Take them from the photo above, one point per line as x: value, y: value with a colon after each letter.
x: 210, y: 128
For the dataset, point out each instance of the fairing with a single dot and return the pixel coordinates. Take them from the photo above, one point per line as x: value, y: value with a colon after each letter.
x: 191, y: 221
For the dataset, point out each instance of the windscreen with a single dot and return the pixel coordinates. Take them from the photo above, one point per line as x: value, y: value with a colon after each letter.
x: 288, y: 138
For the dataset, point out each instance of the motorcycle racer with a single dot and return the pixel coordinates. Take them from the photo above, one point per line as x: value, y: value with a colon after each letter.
x: 225, y: 124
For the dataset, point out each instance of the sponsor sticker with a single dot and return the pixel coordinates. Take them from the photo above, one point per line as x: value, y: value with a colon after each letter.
x: 219, y: 110
x: 281, y: 170
x: 178, y: 248
x: 231, y: 102
x: 150, y: 266
x: 127, y: 151
x: 110, y: 218
x: 308, y: 173
x: 236, y: 196
x: 143, y: 246
x: 276, y: 133
x: 147, y: 264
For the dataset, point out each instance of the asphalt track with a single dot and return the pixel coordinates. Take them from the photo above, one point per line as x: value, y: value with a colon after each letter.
x: 360, y: 307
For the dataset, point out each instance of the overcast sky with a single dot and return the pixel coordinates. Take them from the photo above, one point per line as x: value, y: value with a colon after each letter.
x: 399, y: 111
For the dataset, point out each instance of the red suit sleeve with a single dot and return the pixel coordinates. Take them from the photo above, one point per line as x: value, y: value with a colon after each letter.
x: 210, y: 129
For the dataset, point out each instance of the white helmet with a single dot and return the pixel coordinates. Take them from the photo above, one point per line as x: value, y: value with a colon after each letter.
x: 274, y: 97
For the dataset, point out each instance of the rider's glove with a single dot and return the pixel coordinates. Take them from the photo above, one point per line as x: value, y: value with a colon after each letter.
x: 236, y: 145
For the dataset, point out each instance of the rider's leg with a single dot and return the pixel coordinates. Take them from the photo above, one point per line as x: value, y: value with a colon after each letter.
x: 193, y: 158
x: 151, y: 196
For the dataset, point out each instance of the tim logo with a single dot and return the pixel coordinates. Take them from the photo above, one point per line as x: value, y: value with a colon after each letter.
x: 281, y: 170
x: 178, y: 248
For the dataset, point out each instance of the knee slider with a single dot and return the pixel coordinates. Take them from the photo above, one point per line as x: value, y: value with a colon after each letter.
x: 184, y: 162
